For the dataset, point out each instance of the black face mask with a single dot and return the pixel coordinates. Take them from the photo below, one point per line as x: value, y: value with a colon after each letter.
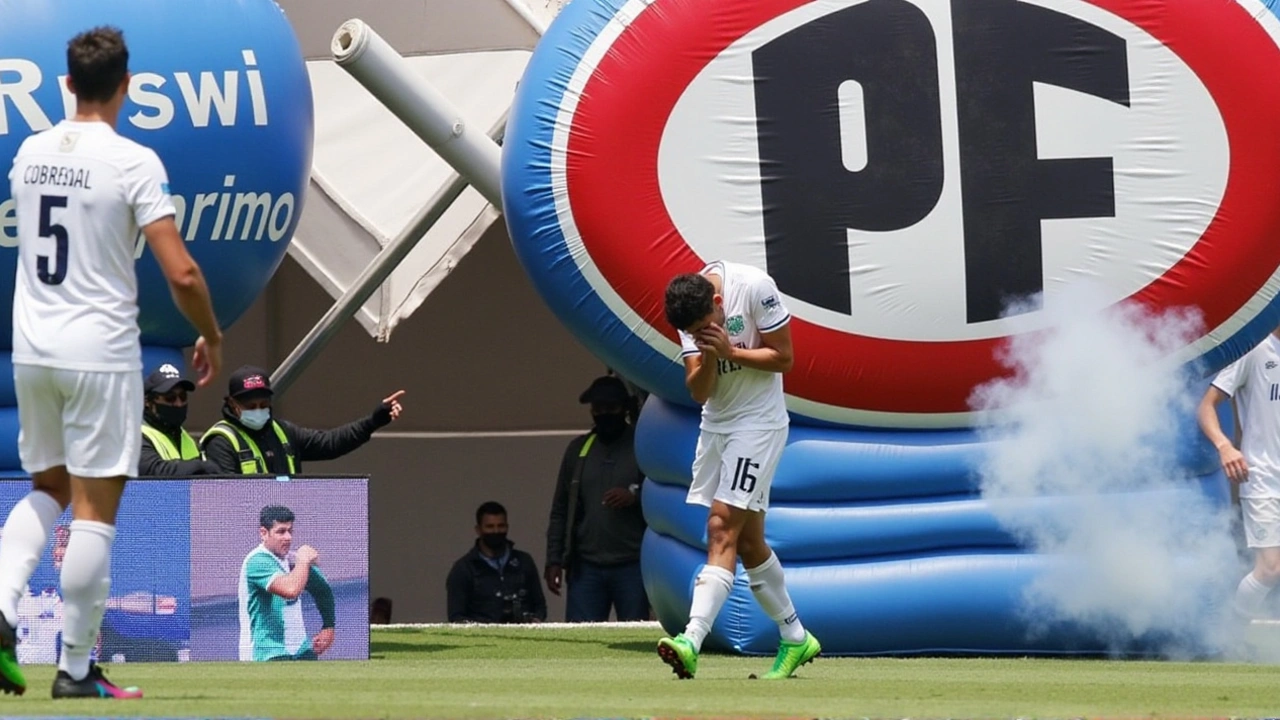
x: 173, y: 416
x: 494, y: 541
x: 610, y: 426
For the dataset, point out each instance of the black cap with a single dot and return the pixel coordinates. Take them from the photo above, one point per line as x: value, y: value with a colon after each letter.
x: 166, y: 378
x: 249, y: 379
x: 606, y: 389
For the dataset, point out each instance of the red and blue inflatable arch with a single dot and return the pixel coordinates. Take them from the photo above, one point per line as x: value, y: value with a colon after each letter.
x: 904, y: 170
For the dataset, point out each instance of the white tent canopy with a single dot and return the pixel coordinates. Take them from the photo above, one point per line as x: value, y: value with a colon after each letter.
x: 371, y: 175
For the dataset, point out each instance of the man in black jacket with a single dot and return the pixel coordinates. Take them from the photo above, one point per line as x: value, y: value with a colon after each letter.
x: 167, y: 449
x: 495, y: 583
x: 597, y: 524
x: 248, y: 441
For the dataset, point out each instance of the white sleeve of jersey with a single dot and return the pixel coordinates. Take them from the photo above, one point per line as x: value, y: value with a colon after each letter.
x: 688, y: 348
x: 146, y: 186
x: 767, y: 308
x: 1234, y: 376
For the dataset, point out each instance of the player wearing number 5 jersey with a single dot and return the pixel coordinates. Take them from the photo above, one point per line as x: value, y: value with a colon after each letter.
x: 82, y: 194
x: 736, y: 343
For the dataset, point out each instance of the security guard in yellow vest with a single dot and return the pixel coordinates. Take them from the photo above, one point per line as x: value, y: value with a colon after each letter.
x: 167, y: 449
x: 249, y: 441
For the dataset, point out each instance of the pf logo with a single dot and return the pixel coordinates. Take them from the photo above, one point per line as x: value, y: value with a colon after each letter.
x: 922, y: 178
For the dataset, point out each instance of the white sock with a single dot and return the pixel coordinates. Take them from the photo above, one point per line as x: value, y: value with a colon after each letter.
x: 769, y: 585
x: 710, y: 591
x: 86, y: 582
x: 26, y: 532
x: 1251, y: 597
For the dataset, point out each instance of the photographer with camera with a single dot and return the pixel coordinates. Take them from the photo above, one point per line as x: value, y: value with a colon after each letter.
x: 494, y: 582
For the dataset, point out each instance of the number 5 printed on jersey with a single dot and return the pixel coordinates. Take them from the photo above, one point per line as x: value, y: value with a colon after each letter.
x: 48, y: 228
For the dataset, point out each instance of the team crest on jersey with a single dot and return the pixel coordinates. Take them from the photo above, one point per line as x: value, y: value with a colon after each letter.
x: 735, y: 325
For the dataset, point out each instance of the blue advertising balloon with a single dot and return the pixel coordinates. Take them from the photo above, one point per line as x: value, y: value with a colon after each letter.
x: 220, y: 91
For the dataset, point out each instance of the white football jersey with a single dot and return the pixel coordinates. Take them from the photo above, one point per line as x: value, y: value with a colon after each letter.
x: 744, y: 398
x: 1254, y: 382
x: 82, y: 192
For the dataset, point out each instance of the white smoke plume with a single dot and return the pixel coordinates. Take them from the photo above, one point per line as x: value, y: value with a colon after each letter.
x: 1088, y: 428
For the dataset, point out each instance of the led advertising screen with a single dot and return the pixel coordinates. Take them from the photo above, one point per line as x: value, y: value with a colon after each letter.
x: 253, y: 569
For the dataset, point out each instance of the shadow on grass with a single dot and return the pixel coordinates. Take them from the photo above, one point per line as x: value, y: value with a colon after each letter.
x: 646, y: 647
x: 636, y: 646
x: 378, y: 648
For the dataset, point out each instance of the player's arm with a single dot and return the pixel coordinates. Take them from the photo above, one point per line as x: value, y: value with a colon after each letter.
x: 1233, y: 462
x: 770, y: 314
x: 1207, y: 416
x: 186, y: 281
x: 289, y: 586
x: 774, y: 355
x: 700, y: 376
x: 322, y: 593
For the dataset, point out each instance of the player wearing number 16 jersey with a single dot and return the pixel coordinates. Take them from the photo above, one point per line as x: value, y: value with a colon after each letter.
x: 82, y: 195
x: 736, y: 343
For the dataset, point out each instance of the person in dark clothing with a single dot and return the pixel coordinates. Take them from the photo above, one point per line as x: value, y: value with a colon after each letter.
x: 167, y: 449
x: 494, y: 582
x: 248, y: 441
x: 596, y: 523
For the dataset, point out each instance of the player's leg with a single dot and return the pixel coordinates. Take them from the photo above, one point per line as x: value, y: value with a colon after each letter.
x: 1262, y: 533
x: 797, y: 645
x: 714, y: 582
x: 766, y: 579
x: 31, y: 521
x: 760, y: 453
x: 710, y: 589
x: 103, y: 437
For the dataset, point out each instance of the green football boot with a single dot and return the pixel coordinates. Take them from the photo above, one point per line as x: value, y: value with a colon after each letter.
x: 11, y: 678
x: 792, y: 655
x: 679, y: 653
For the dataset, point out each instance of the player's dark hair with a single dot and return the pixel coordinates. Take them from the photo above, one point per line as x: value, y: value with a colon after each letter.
x: 273, y: 514
x: 97, y: 61
x: 690, y: 297
x: 490, y: 508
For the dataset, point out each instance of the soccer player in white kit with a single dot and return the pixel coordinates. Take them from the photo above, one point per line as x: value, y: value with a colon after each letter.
x: 1253, y: 382
x: 83, y: 193
x: 736, y: 344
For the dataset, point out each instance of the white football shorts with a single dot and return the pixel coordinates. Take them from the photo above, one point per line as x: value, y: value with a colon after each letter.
x: 89, y: 421
x: 1261, y: 521
x: 736, y: 468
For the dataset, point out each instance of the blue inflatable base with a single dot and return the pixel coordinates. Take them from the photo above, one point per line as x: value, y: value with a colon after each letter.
x: 957, y: 603
x: 890, y: 548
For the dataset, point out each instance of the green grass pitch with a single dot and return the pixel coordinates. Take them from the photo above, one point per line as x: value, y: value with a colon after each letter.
x: 512, y: 672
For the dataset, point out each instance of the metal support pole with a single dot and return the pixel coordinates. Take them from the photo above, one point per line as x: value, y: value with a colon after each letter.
x: 373, y: 276
x: 390, y: 78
